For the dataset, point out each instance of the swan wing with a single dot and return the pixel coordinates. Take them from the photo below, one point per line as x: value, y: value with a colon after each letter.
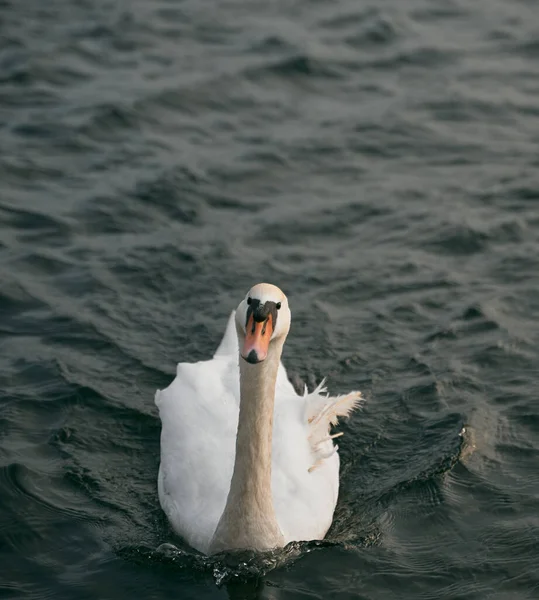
x: 199, y: 416
x: 305, y: 474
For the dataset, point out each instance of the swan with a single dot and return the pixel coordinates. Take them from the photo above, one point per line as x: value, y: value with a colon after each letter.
x: 246, y: 462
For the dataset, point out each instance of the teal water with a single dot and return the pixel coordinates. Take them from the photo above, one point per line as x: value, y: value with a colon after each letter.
x: 378, y: 161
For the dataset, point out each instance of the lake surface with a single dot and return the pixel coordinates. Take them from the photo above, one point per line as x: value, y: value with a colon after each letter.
x: 379, y: 162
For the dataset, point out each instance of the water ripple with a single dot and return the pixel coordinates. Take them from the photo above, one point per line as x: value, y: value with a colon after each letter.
x: 379, y: 163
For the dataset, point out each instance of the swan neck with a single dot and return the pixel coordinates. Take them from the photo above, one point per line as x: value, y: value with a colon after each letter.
x: 255, y: 426
x: 249, y: 520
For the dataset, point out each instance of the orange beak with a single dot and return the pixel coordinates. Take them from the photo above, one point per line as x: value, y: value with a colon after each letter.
x: 257, y: 339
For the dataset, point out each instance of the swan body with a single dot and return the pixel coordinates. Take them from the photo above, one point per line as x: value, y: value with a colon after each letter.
x: 218, y: 485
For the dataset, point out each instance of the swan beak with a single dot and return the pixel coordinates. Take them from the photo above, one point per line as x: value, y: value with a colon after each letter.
x: 257, y: 339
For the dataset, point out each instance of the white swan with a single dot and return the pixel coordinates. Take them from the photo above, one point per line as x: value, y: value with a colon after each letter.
x: 245, y: 461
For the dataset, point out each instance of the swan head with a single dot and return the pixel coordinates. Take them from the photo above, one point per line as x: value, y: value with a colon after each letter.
x: 261, y: 317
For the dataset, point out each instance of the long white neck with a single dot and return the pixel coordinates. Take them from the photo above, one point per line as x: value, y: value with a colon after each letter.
x: 248, y: 520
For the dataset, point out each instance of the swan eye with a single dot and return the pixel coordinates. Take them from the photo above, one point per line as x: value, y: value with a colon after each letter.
x: 278, y: 305
x: 249, y: 300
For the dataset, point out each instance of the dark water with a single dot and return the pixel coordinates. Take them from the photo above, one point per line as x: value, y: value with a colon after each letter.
x: 378, y: 161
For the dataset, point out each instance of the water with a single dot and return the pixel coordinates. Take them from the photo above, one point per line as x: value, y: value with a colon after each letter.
x: 376, y: 160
